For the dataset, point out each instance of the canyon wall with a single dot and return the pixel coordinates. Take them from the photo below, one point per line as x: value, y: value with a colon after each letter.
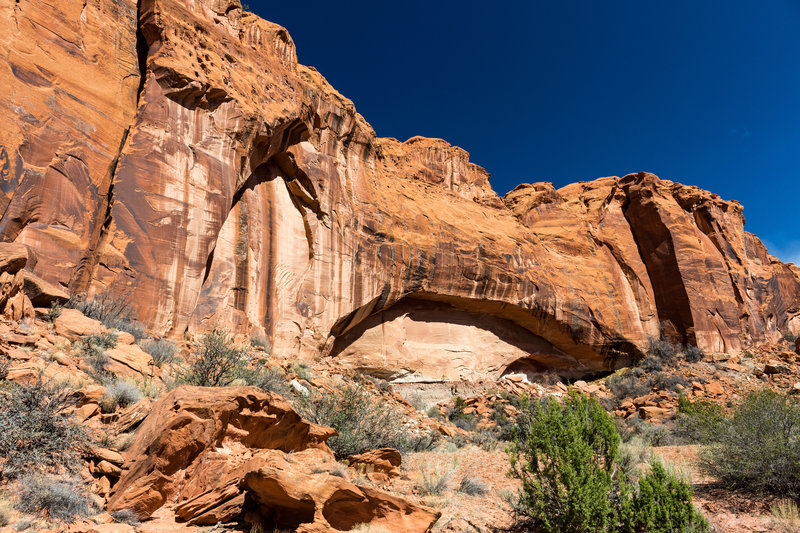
x: 176, y: 152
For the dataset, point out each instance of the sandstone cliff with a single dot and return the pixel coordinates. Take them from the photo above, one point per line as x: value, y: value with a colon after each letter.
x: 176, y: 149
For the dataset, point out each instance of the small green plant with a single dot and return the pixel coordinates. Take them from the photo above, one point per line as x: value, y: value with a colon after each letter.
x: 217, y: 363
x: 758, y: 449
x: 661, y: 503
x: 62, y: 499
x: 363, y: 422
x: 93, y: 350
x: 303, y: 371
x: 36, y: 433
x: 161, y: 350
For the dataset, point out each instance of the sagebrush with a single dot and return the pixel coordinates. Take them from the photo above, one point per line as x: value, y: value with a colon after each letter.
x: 62, y: 499
x: 36, y: 432
x: 217, y: 362
x: 364, y: 422
x: 758, y: 448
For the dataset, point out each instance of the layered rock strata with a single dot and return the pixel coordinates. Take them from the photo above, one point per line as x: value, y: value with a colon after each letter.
x: 242, y: 454
x: 177, y: 152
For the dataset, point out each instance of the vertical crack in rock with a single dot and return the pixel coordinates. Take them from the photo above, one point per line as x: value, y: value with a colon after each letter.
x: 85, y: 270
x: 657, y: 251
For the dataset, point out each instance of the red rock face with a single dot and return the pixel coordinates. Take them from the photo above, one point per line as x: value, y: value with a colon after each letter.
x: 237, y: 187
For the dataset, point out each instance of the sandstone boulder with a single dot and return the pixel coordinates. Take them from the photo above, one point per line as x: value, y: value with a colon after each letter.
x: 42, y: 293
x: 130, y: 360
x: 73, y: 324
x: 13, y: 257
x: 385, y: 460
x: 224, y: 454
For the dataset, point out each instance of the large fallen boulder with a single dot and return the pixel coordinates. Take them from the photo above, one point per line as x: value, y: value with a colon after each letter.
x: 220, y: 455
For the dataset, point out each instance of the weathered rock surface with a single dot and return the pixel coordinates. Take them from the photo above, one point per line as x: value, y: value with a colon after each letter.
x: 221, y: 182
x: 221, y: 455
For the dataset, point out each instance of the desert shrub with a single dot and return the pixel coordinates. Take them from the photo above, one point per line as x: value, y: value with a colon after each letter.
x: 217, y: 363
x: 652, y: 364
x: 93, y: 350
x: 5, y: 363
x: 633, y: 455
x: 758, y: 449
x: 112, y: 308
x: 433, y: 412
x: 363, y: 421
x: 627, y: 385
x: 103, y: 341
x: 120, y: 393
x: 661, y: 503
x: 422, y: 441
x: 61, y: 499
x: 436, y: 480
x: 484, y: 439
x: 693, y: 354
x: 699, y: 421
x: 268, y: 378
x: 472, y: 486
x: 666, y: 381
x: 663, y: 350
x: 303, y: 371
x: 785, y: 517
x: 36, y: 433
x: 161, y: 350
x: 567, y: 457
x: 417, y: 401
x: 53, y: 313
x: 126, y: 516
x: 261, y: 342
x: 459, y: 418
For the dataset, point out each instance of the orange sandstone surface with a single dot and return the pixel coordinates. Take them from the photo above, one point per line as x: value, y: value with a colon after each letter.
x: 177, y: 151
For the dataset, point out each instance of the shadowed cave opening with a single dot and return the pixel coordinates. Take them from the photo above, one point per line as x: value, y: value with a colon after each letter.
x: 430, y: 338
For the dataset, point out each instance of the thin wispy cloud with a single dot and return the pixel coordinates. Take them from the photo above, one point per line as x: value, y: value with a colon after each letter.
x: 788, y: 252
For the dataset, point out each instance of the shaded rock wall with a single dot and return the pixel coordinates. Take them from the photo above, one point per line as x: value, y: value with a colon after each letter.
x: 216, y: 179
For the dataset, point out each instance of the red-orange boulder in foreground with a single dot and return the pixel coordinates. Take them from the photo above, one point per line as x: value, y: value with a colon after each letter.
x: 225, y: 454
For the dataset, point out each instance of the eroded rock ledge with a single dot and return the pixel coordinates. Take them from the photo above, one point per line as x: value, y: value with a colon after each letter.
x: 221, y: 182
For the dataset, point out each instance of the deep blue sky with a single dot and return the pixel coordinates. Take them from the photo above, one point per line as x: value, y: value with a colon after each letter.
x: 698, y: 91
